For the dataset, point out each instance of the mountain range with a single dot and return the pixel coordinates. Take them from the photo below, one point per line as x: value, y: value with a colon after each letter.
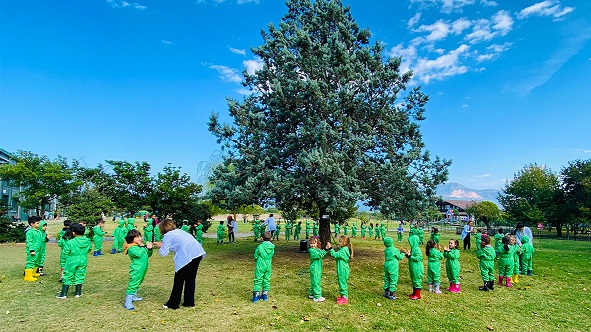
x: 454, y: 190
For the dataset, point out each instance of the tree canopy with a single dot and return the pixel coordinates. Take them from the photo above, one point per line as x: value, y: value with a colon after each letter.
x: 484, y: 211
x: 329, y: 121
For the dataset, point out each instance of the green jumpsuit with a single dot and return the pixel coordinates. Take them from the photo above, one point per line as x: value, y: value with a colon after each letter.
x: 138, y: 267
x: 354, y: 229
x: 516, y: 254
x: 33, y: 244
x: 296, y: 232
x: 527, y: 250
x: 149, y: 231
x: 345, y: 230
x: 452, y: 265
x: 130, y: 224
x: 434, y: 266
x: 436, y: 237
x: 97, y: 238
x: 342, y: 258
x: 383, y: 230
x: 43, y: 245
x: 337, y: 229
x: 315, y: 229
x: 363, y: 230
x: 76, y: 251
x: 316, y: 256
x: 256, y: 229
x: 421, y: 235
x: 507, y: 261
x: 263, y: 256
x: 370, y: 232
x: 277, y: 232
x: 288, y: 228
x: 185, y: 228
x: 121, y: 234
x: 199, y: 233
x: 487, y: 256
x: 498, y: 243
x: 62, y: 243
x: 478, y: 239
x: 221, y: 233
x: 308, y: 228
x: 415, y: 262
x: 157, y: 235
x: 391, y: 258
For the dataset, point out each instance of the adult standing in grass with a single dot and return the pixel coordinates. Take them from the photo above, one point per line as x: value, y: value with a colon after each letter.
x: 188, y: 255
x: 466, y: 232
x: 522, y: 230
x: 270, y: 224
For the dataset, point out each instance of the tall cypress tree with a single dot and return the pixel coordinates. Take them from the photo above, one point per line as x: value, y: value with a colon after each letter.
x: 324, y: 127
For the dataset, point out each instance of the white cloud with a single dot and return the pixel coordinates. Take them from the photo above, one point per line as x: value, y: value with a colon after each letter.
x: 489, y: 3
x: 227, y: 74
x: 485, y: 175
x: 438, y: 30
x: 240, y: 2
x: 447, y: 6
x: 414, y: 20
x: 485, y: 30
x: 124, y: 4
x: 237, y: 51
x: 460, y: 25
x: 253, y: 65
x: 484, y: 57
x: 167, y: 42
x: 503, y: 22
x: 465, y: 106
x: 444, y: 66
x: 408, y: 54
x: 545, y: 8
x: 493, y: 51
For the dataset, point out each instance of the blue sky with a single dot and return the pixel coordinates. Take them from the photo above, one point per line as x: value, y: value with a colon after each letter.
x: 509, y: 81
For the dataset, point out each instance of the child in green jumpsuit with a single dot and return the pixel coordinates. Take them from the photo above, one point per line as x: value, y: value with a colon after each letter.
x: 433, y: 251
x: 97, y: 238
x: 370, y: 230
x: 288, y: 228
x: 119, y: 237
x: 42, y: 248
x: 315, y: 228
x: 263, y: 256
x: 138, y: 254
x: 342, y: 258
x: 527, y: 250
x: 415, y: 266
x: 383, y: 230
x: 354, y: 229
x: 297, y: 230
x: 185, y: 227
x: 76, y: 250
x: 256, y: 229
x: 478, y: 238
x: 392, y: 257
x: 64, y: 235
x: 337, y: 229
x: 149, y: 230
x: 277, y: 231
x: 507, y: 260
x: 316, y: 256
x: 346, y: 229
x: 199, y: 231
x: 400, y: 232
x: 421, y: 235
x: 221, y: 232
x: 499, y: 241
x: 436, y: 235
x: 32, y: 248
x: 516, y: 266
x: 452, y: 265
x: 363, y: 230
x: 486, y: 254
x: 308, y: 229
x: 130, y: 224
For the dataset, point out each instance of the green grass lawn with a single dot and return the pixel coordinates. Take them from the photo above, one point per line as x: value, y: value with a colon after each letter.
x: 556, y: 298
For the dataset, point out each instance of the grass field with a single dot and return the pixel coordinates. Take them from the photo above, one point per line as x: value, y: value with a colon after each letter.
x: 556, y: 298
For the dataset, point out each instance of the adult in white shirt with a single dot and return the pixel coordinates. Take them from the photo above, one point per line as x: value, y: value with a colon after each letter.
x: 188, y: 255
x: 271, y: 226
x: 521, y: 230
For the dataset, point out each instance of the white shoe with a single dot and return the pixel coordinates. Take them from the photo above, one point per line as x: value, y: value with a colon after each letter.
x: 320, y: 299
x: 61, y: 297
x: 311, y: 296
x: 164, y: 306
x: 78, y: 295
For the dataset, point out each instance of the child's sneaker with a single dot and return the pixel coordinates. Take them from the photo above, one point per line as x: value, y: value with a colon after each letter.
x: 320, y: 299
x: 264, y: 297
x: 342, y: 300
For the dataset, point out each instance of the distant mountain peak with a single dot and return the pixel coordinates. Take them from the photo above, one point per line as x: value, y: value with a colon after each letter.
x: 454, y: 190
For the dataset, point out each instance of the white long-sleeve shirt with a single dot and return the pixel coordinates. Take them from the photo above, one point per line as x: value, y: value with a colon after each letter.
x: 184, y: 245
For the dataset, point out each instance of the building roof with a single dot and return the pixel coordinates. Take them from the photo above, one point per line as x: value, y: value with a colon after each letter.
x: 463, y: 204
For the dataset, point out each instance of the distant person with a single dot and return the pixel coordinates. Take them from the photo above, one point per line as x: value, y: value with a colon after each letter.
x: 33, y: 244
x: 231, y: 224
x: 466, y: 233
x: 97, y: 239
x: 486, y: 254
x: 452, y: 265
x: 221, y: 233
x: 270, y: 224
x: 138, y: 254
x: 76, y: 251
x: 392, y: 257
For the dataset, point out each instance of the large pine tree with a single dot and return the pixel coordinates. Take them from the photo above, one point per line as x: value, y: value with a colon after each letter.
x: 325, y: 126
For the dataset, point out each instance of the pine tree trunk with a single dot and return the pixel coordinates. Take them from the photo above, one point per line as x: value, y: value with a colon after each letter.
x: 324, y: 228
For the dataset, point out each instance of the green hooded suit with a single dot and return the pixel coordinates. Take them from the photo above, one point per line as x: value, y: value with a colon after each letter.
x: 354, y: 229
x: 434, y: 266
x: 391, y: 258
x: 199, y: 233
x: 487, y: 256
x: 121, y: 233
x: 415, y: 262
x: 33, y: 244
x: 452, y: 265
x: 97, y: 237
x: 527, y: 250
x: 507, y: 260
x: 263, y: 256
x: 316, y: 256
x: 138, y: 267
x: 76, y: 251
x: 149, y: 230
x: 42, y: 245
x: 342, y: 257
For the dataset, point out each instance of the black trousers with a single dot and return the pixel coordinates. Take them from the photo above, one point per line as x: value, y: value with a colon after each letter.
x: 467, y: 241
x: 184, y: 277
x: 231, y: 237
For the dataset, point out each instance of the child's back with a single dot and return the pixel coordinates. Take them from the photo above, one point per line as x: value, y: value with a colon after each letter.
x: 263, y: 256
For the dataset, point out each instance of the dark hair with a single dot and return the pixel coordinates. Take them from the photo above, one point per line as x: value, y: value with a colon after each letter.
x: 67, y: 223
x: 100, y: 221
x: 456, y: 242
x: 166, y: 226
x: 506, y: 240
x: 131, y: 235
x: 33, y: 219
x: 435, y: 230
x: 267, y: 236
x: 485, y: 240
x: 430, y: 245
x: 77, y: 229
x: 500, y: 231
x: 221, y: 222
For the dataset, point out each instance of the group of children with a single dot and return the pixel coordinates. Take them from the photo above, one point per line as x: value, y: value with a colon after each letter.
x: 508, y: 254
x: 292, y: 230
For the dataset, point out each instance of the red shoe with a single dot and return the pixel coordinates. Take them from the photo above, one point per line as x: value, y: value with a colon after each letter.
x: 455, y: 288
x: 500, y: 281
x: 417, y: 294
x: 342, y: 300
x: 450, y: 287
x: 508, y: 282
x: 414, y: 291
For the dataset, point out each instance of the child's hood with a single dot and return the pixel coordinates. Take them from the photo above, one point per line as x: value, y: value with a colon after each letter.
x: 524, y: 239
x: 121, y: 222
x: 81, y: 241
x: 388, y: 242
x: 266, y: 249
x: 414, y: 241
x: 43, y: 223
